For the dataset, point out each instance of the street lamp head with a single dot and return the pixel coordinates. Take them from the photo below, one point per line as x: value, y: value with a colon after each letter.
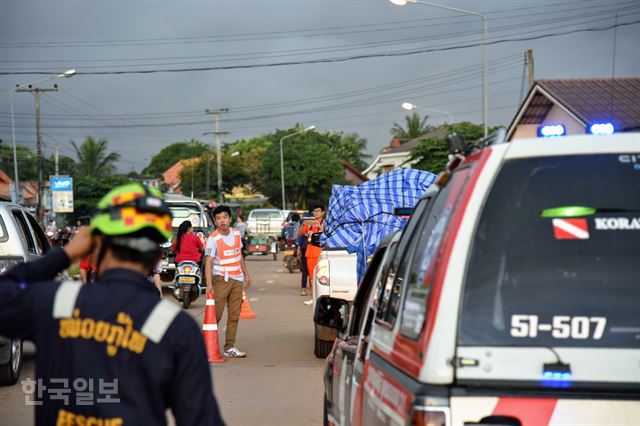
x: 68, y: 73
x: 408, y: 106
x: 308, y: 129
x: 401, y: 2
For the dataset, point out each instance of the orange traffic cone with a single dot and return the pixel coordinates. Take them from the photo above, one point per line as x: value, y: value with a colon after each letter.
x: 210, y: 331
x: 246, y: 312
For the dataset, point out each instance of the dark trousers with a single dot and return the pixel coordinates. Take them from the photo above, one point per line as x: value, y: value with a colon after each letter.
x: 304, y: 269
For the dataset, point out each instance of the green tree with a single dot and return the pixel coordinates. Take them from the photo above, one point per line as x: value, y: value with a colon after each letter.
x: 310, y: 169
x: 66, y: 166
x: 93, y: 159
x: 88, y: 191
x: 27, y: 162
x: 416, y: 127
x: 349, y: 147
x: 171, y: 154
x: 433, y: 153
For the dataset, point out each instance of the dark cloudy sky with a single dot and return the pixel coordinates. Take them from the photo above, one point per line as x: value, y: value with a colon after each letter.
x: 340, y: 65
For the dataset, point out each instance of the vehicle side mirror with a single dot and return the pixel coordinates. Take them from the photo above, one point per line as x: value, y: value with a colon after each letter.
x: 315, y: 239
x: 332, y: 313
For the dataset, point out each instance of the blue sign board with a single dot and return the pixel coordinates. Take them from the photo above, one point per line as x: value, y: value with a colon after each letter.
x: 62, y: 183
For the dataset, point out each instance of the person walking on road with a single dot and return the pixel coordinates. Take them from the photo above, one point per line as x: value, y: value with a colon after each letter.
x: 302, y: 254
x: 313, y: 253
x: 112, y: 352
x: 226, y: 274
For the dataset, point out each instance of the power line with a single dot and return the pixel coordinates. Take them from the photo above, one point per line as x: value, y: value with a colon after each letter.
x: 446, y: 77
x: 336, y: 59
x: 306, y: 32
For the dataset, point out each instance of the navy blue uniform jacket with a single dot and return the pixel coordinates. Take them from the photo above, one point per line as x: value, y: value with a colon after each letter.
x: 173, y: 373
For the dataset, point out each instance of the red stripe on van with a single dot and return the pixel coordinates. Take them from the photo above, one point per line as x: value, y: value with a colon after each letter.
x: 530, y: 411
x: 480, y: 159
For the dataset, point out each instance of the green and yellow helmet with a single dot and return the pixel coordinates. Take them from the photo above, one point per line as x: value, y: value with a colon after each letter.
x: 132, y: 209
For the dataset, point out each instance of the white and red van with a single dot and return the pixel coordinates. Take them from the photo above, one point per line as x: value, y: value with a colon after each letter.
x: 511, y: 297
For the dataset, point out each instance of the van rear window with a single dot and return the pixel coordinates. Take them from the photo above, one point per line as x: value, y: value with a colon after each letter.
x: 555, y: 255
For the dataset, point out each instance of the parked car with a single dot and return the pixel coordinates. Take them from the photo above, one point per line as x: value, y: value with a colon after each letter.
x: 335, y: 276
x: 265, y: 222
x: 21, y: 239
x: 510, y: 298
x: 344, y: 365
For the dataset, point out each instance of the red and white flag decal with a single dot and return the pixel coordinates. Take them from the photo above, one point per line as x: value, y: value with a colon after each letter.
x: 570, y: 229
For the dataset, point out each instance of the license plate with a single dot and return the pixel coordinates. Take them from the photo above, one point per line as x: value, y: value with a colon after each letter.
x: 288, y: 253
x: 187, y: 280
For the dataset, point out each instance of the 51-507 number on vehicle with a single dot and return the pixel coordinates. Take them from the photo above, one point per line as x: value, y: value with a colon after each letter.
x: 561, y: 327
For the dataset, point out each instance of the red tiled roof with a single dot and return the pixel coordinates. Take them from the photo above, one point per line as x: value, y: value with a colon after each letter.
x: 440, y: 132
x: 353, y: 170
x: 598, y: 99
x: 29, y: 189
x: 172, y: 176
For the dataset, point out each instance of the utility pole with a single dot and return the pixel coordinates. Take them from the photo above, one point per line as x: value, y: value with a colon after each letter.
x: 217, y: 133
x: 37, y: 92
x: 530, y: 77
x: 57, y: 159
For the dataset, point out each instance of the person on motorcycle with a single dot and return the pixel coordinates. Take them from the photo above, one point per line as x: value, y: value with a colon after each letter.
x: 138, y: 354
x: 187, y: 246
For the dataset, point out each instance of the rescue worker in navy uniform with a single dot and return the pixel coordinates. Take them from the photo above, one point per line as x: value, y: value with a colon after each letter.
x: 139, y: 354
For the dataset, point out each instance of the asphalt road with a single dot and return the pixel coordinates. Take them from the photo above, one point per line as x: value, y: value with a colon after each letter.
x: 280, y: 381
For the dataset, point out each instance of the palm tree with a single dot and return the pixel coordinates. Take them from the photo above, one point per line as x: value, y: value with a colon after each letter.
x: 416, y: 127
x: 93, y: 160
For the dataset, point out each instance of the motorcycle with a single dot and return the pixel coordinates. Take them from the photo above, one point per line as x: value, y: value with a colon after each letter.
x: 290, y: 260
x: 187, y: 283
x: 62, y: 237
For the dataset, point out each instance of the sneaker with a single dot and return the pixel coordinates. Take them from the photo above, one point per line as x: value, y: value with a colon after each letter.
x: 303, y: 292
x: 308, y: 302
x: 234, y: 353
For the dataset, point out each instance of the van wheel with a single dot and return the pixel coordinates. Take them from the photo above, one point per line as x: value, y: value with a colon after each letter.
x: 10, y: 372
x: 322, y: 348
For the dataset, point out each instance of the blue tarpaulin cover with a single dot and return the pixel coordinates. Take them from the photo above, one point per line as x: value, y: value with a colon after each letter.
x: 359, y: 217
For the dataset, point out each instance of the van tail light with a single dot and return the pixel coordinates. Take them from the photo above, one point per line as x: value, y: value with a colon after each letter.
x: 430, y: 416
x: 322, y: 272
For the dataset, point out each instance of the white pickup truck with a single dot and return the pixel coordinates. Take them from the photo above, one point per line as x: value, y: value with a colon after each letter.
x: 335, y: 276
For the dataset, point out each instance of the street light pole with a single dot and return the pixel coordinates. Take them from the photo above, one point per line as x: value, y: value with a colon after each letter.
x: 282, y: 159
x: 410, y: 107
x: 485, y: 55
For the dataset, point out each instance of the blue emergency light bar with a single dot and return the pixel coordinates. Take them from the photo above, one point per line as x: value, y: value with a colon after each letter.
x: 551, y: 130
x: 602, y: 129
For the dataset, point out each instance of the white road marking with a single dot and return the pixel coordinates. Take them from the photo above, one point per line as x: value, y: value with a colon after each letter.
x: 254, y: 299
x: 270, y: 281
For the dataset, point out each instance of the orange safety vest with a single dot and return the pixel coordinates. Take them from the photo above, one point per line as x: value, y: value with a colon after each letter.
x: 312, y: 251
x: 229, y: 256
